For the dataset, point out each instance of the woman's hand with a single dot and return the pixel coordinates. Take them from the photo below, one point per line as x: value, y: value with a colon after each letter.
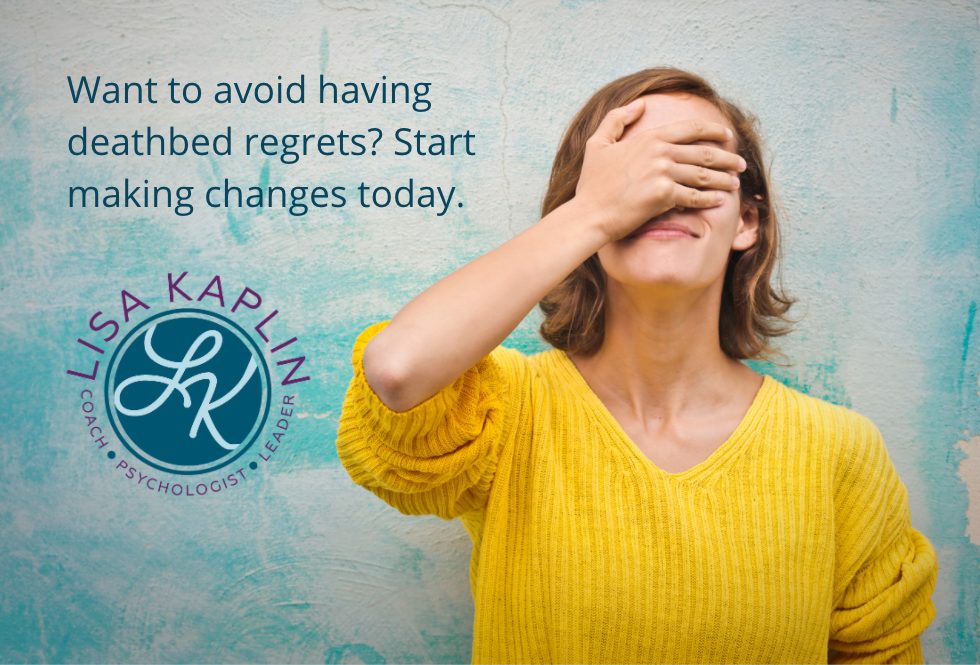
x: 627, y: 183
x: 450, y: 326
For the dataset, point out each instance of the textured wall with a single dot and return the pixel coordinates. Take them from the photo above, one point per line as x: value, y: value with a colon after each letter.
x: 870, y: 109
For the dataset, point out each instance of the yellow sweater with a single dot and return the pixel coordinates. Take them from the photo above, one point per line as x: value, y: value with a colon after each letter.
x: 792, y: 537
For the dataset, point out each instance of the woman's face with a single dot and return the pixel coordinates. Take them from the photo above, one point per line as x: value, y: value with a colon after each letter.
x: 678, y: 260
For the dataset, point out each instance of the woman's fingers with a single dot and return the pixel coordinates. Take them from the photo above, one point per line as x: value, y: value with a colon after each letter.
x: 613, y: 125
x: 706, y: 155
x: 694, y: 129
x: 699, y: 176
x: 680, y: 165
x: 695, y: 198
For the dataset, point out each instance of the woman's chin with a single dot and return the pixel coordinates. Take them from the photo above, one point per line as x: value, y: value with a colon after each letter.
x: 652, y: 263
x: 680, y: 279
x: 667, y: 266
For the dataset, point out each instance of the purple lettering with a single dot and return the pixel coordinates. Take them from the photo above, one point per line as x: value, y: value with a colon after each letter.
x: 284, y: 344
x: 126, y: 308
x: 264, y: 321
x: 172, y: 285
x: 110, y: 322
x: 207, y: 291
x: 91, y: 376
x: 94, y: 348
x: 241, y: 300
x: 289, y: 377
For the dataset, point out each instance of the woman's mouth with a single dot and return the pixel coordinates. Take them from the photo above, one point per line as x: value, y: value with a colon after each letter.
x: 661, y: 228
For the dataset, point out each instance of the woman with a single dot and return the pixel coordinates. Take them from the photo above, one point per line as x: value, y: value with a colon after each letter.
x: 637, y: 493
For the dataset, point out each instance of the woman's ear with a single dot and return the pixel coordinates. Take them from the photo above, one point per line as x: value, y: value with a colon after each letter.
x: 748, y: 228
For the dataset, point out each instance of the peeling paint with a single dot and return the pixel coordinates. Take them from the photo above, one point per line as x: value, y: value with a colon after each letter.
x: 969, y: 472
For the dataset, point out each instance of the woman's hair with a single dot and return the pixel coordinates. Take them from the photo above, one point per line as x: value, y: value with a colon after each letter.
x: 752, y: 311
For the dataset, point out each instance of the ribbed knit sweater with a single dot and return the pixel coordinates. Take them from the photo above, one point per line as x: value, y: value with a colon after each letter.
x: 793, y: 537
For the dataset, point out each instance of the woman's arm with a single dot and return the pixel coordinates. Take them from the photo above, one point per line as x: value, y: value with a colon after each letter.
x: 456, y: 322
x: 441, y: 456
x: 885, y: 570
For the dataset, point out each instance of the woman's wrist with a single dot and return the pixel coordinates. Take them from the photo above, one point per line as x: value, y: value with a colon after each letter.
x: 591, y: 222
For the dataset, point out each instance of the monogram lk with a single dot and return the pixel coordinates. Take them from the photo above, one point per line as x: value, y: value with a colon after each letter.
x: 188, y: 392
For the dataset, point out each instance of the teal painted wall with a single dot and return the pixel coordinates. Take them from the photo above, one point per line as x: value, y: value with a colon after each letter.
x: 872, y: 114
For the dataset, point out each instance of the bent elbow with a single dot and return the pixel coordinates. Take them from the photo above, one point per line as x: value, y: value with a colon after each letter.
x: 388, y: 377
x: 392, y: 388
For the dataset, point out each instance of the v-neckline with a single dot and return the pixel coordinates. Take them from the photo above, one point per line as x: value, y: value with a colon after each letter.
x: 735, y: 442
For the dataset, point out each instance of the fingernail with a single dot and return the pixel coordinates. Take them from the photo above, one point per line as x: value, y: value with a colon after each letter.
x: 735, y: 181
x: 633, y: 104
x: 719, y: 198
x: 728, y: 132
x: 741, y: 164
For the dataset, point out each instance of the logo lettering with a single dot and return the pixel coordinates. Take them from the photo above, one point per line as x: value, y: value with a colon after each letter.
x: 179, y: 383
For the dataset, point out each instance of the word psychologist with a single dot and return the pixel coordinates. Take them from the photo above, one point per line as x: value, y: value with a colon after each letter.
x: 189, y: 391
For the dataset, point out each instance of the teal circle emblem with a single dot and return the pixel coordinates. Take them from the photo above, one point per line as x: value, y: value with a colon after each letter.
x: 188, y: 391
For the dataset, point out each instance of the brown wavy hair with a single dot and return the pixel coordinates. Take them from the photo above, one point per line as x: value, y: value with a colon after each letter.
x: 752, y: 311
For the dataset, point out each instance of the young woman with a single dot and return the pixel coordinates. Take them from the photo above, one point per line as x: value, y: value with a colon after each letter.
x: 637, y: 493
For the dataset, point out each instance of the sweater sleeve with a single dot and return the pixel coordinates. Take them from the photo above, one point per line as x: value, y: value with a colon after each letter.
x: 440, y: 457
x: 885, y: 569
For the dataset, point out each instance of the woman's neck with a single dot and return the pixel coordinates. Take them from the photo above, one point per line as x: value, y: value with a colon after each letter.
x: 661, y: 356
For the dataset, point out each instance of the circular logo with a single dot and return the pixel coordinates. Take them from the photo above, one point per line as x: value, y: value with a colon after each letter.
x: 188, y: 391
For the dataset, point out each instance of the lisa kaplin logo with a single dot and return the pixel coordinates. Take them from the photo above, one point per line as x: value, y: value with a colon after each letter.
x: 188, y: 392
